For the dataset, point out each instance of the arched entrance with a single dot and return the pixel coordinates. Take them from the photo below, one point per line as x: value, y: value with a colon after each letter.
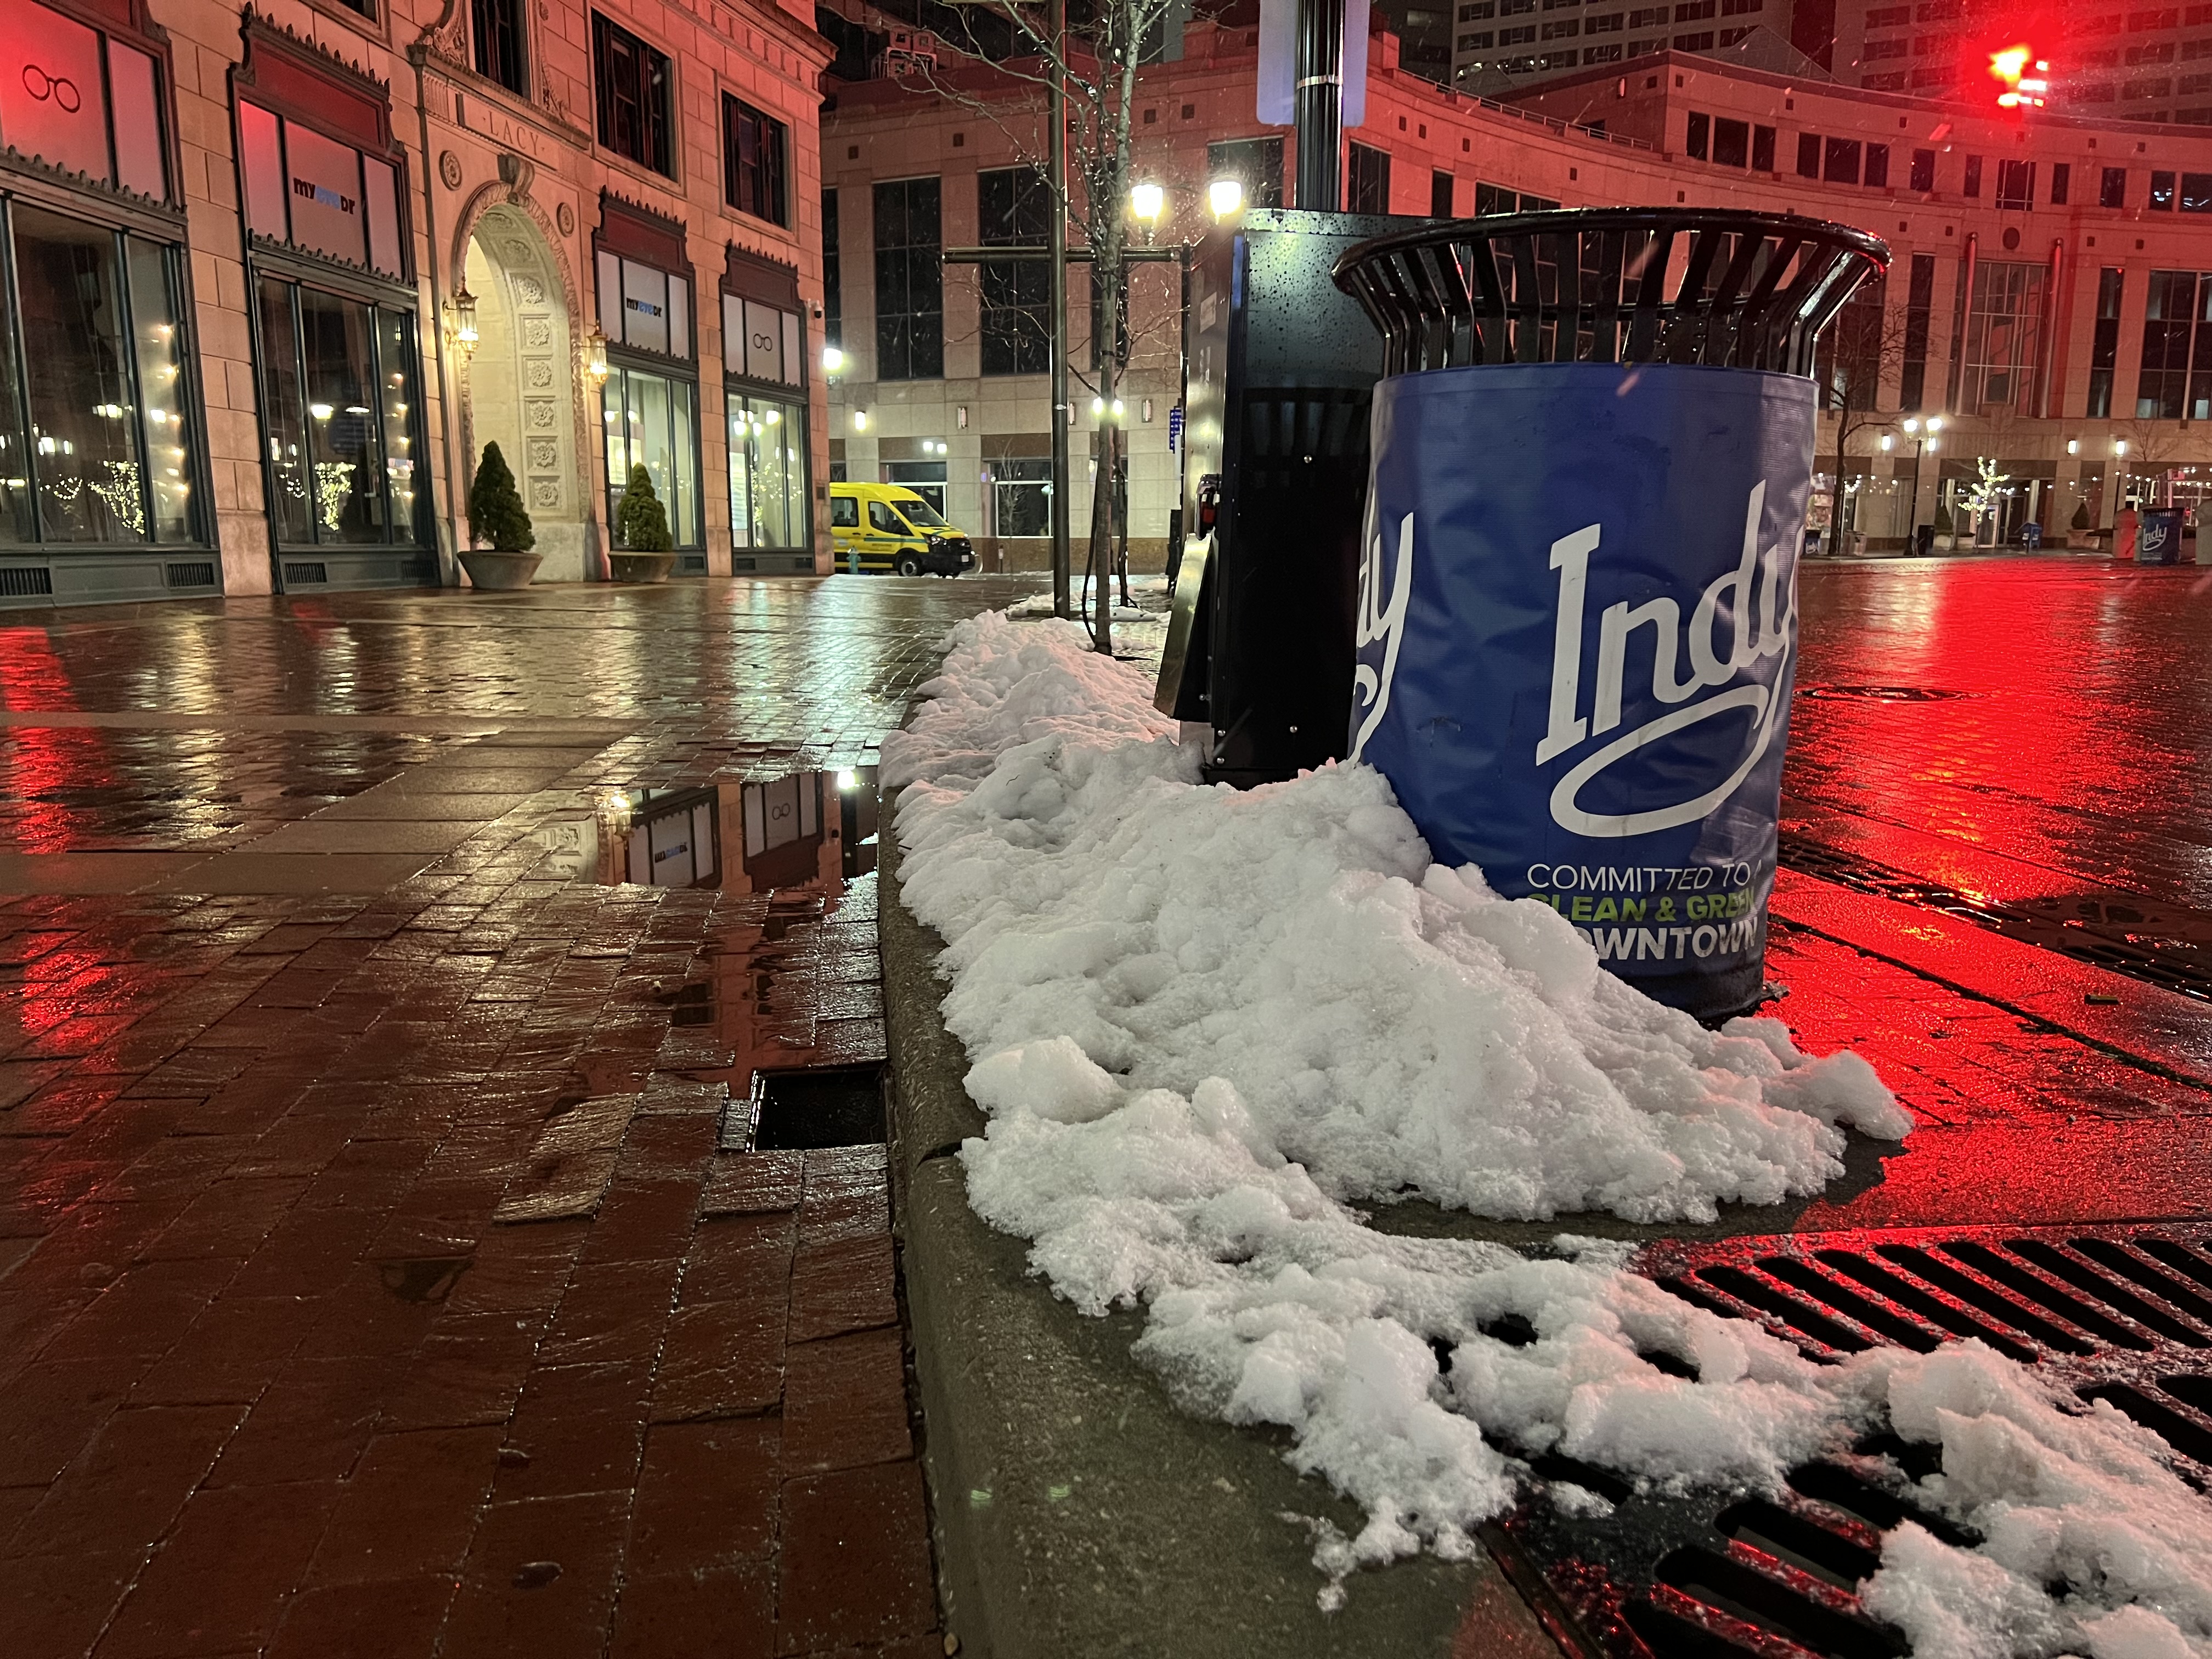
x: 520, y: 394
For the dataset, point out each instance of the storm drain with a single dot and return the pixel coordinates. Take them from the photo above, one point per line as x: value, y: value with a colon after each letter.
x: 2164, y: 945
x: 806, y: 1110
x: 2122, y: 1314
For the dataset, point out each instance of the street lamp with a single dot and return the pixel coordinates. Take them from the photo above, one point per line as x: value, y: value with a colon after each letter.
x: 595, y: 356
x: 833, y: 361
x: 461, y: 320
x: 1922, y: 433
x: 1147, y: 202
x: 1225, y: 196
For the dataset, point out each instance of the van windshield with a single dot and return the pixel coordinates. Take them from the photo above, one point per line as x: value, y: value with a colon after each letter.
x: 920, y: 514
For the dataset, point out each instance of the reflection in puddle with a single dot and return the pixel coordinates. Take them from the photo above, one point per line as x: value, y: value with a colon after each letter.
x: 806, y: 828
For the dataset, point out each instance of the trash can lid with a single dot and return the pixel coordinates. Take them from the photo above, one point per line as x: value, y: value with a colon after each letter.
x: 1723, y: 287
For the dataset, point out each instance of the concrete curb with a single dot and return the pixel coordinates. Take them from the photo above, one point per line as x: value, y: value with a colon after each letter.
x: 1076, y: 1511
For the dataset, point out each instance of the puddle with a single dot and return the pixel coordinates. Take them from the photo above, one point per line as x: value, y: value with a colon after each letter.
x: 814, y: 829
x: 423, y: 1279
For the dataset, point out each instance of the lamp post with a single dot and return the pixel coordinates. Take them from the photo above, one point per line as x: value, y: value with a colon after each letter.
x: 1923, y: 433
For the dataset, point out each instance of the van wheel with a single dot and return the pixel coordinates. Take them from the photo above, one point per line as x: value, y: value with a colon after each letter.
x: 909, y: 565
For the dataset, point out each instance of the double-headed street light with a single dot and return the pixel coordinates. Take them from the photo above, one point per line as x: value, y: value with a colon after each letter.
x: 1225, y: 196
x: 1923, y: 435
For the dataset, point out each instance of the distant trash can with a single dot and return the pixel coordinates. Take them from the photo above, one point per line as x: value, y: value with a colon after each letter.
x: 2158, y: 538
x: 1578, y: 621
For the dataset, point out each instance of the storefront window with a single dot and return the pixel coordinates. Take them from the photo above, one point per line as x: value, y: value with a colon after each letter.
x: 317, y: 193
x: 101, y: 454
x: 768, y: 473
x: 1023, y: 492
x: 337, y: 379
x: 55, y: 101
x: 651, y: 419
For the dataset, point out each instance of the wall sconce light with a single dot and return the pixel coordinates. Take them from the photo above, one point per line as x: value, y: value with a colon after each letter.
x: 833, y: 360
x: 461, y: 320
x: 2120, y: 448
x: 595, y: 355
x: 960, y: 416
x: 1886, y: 441
x: 1146, y: 411
x: 2073, y: 445
x: 860, y: 420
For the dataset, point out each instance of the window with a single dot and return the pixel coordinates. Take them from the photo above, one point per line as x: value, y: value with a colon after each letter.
x: 1693, y: 11
x: 633, y: 86
x: 1492, y: 198
x: 2112, y: 188
x: 498, y: 38
x: 2168, y: 17
x: 1972, y: 184
x: 1552, y: 60
x: 1762, y: 149
x: 106, y: 454
x: 2004, y: 330
x: 768, y: 473
x: 2104, y: 346
x: 1880, y: 49
x: 909, y: 282
x: 927, y: 480
x: 1877, y: 167
x: 1849, y: 363
x: 1565, y: 29
x: 1371, y: 180
x: 316, y: 194
x: 1739, y: 8
x: 1893, y: 82
x: 832, y: 280
x: 651, y: 422
x: 338, y: 387
x: 2158, y: 52
x: 2016, y: 185
x: 1889, y: 17
x: 1608, y: 24
x: 1701, y: 41
x: 1731, y: 143
x: 882, y: 521
x: 1808, y: 155
x: 1919, y: 308
x: 2161, y: 191
x: 756, y: 150
x: 1840, y: 161
x: 845, y: 512
x: 1516, y: 37
x: 1476, y: 12
x: 1648, y: 17
x: 1698, y: 136
x: 1257, y: 162
x: 2062, y: 179
x: 2176, y: 381
x: 2196, y: 192
x: 1477, y: 42
x: 643, y: 307
x: 1014, y: 210
x: 1440, y: 195
x: 77, y: 132
x: 1608, y: 53
x: 1021, y: 497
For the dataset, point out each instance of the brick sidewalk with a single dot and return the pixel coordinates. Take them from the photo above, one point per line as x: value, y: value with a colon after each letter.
x: 276, y: 1378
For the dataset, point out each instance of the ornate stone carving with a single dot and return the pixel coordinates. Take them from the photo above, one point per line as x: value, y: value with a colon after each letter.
x: 537, y: 332
x: 565, y: 217
x: 449, y: 169
x: 539, y: 411
x: 530, y: 290
x: 545, y: 492
x: 541, y: 373
x: 544, y: 455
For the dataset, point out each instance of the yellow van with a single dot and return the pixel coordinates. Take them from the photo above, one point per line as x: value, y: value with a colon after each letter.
x: 880, y: 527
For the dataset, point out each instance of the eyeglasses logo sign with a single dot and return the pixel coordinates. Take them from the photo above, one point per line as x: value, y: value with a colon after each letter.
x: 58, y: 89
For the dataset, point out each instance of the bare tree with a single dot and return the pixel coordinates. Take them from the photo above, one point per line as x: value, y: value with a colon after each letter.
x: 1866, y: 338
x: 1095, y: 57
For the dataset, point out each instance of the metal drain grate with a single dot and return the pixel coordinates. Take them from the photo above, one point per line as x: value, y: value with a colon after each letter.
x: 806, y: 1110
x: 2122, y: 1314
x: 2164, y: 945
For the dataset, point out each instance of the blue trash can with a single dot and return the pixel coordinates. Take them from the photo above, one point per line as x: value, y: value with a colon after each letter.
x: 2159, y: 539
x: 1577, y: 606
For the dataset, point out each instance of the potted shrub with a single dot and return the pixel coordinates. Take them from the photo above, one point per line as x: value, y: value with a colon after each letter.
x: 644, y: 550
x: 496, y: 515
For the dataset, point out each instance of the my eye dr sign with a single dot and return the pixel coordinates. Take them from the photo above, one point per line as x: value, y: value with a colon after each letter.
x: 1576, y: 634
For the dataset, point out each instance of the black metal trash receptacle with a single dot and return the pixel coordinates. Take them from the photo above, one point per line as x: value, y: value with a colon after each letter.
x: 1592, y: 456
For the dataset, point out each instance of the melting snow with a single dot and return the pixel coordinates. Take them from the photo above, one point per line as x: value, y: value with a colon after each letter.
x: 1206, y: 1023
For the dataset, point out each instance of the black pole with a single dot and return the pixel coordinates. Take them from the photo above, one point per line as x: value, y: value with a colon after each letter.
x: 1319, y: 109
x: 1056, y: 118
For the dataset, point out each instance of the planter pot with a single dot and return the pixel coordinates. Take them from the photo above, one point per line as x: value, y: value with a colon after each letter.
x: 493, y: 568
x: 640, y: 566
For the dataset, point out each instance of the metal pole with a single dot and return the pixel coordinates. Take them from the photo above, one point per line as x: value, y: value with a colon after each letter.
x: 1318, y: 109
x: 1912, y: 513
x: 1056, y: 104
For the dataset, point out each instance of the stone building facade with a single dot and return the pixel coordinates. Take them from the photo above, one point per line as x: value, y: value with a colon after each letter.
x: 2047, y: 298
x: 278, y: 273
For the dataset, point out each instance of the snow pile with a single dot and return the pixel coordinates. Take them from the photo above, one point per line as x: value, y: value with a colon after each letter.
x: 1204, y: 1022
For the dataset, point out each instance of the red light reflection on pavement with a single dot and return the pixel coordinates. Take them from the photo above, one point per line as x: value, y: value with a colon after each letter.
x: 42, y: 761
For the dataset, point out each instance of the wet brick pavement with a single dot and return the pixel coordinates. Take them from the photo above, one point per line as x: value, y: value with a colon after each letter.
x: 372, y: 1280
